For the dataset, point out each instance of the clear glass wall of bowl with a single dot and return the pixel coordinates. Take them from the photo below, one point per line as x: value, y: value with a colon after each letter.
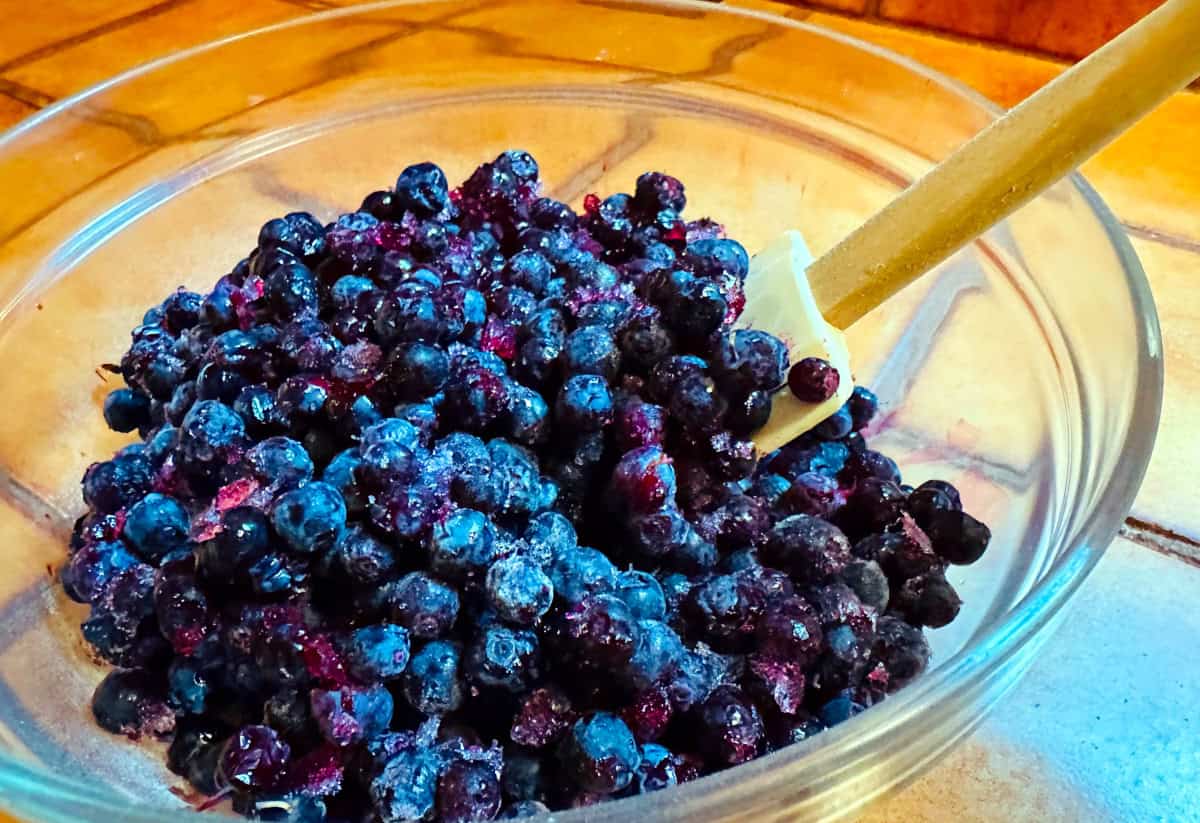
x: 1026, y: 369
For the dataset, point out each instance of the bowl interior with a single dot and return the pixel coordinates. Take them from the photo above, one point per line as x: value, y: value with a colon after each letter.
x: 770, y: 127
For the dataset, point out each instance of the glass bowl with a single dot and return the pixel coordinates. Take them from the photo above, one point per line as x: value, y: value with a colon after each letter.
x: 1027, y: 369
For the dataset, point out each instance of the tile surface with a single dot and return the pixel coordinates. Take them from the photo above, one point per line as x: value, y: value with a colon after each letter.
x: 1072, y: 28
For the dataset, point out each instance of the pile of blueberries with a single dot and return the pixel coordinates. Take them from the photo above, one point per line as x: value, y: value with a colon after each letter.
x: 448, y: 510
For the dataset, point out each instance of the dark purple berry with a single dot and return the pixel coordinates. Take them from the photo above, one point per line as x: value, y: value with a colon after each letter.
x: 813, y: 380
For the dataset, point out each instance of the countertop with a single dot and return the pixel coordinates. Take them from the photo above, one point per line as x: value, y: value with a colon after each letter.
x: 1104, y: 727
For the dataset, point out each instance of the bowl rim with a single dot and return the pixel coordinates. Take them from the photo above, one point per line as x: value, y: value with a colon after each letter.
x: 30, y: 789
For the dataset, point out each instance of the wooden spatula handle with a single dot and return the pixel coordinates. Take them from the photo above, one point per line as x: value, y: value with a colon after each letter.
x: 1010, y: 162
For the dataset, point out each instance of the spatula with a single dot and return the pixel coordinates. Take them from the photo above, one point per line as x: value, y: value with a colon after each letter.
x: 807, y: 303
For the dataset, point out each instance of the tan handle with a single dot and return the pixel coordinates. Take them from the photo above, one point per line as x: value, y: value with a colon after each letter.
x: 1010, y: 162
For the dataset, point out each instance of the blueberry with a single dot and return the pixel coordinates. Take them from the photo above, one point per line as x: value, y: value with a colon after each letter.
x: 155, y: 525
x: 528, y: 416
x: 298, y: 231
x: 382, y: 205
x: 89, y: 571
x: 928, y: 600
x: 791, y: 630
x: 591, y: 350
x: 693, y: 306
x: 600, y: 754
x: 292, y: 291
x: 600, y: 630
x: 656, y: 770
x: 657, y: 191
x: 612, y: 223
x: 528, y: 270
x: 209, y: 431
x: 902, y: 649
x: 519, y: 590
x: 546, y: 213
x: 117, y: 483
x: 813, y: 380
x: 131, y: 702
x: 642, y: 593
x: 254, y: 758
x: 716, y: 256
x: 839, y: 710
x: 378, y: 652
x: 835, y: 426
x: 256, y: 405
x: 463, y: 544
x: 280, y: 461
x: 643, y: 481
x: 126, y: 410
x: 360, y: 558
x: 280, y: 808
x: 432, y: 683
x: 957, y: 536
x: 520, y: 487
x: 475, y: 398
x: 863, y: 404
x: 188, y: 686
x: 549, y: 535
x: 658, y: 650
x: 194, y: 752
x: 423, y: 605
x: 405, y: 787
x: 310, y: 518
x: 585, y: 403
x: 545, y: 714
x: 505, y: 658
x: 869, y: 582
x: 351, y: 714
x: 730, y: 729
x: 422, y: 189
x: 579, y: 572
x: 416, y: 370
x: 468, y: 790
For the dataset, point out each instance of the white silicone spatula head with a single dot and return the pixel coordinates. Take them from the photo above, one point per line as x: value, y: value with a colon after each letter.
x: 1000, y: 169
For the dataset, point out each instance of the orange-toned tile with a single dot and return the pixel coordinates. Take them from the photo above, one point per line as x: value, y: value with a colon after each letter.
x: 1150, y: 176
x: 1072, y: 28
x: 1170, y: 497
x: 849, y: 6
x: 188, y: 24
x: 30, y: 27
x: 13, y: 111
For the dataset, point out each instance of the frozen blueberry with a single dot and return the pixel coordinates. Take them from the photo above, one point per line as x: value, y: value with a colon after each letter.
x: 310, y: 518
x: 423, y: 605
x: 155, y: 525
x: 584, y: 404
x: 422, y: 189
x: 404, y: 790
x: 519, y: 590
x: 502, y: 657
x: 132, y: 702
x: 377, y: 652
x: 468, y: 790
x: 813, y: 380
x: 254, y: 758
x: 600, y: 754
x: 351, y: 714
x: 432, y: 683
x: 126, y: 410
x: 642, y: 593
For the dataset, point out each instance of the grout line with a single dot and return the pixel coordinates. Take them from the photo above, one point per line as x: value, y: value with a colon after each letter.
x: 1154, y: 235
x: 25, y: 94
x: 1162, y: 540
x: 49, y: 49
